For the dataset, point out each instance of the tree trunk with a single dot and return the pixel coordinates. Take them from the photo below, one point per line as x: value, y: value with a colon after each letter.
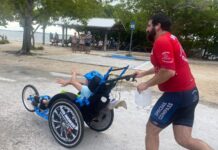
x: 43, y: 35
x: 27, y: 28
x: 33, y: 40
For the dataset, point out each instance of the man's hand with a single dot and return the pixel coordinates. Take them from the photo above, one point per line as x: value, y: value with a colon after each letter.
x: 138, y: 74
x: 62, y: 82
x: 142, y: 86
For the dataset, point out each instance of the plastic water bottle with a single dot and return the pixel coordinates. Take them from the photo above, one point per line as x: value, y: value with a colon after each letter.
x: 143, y: 99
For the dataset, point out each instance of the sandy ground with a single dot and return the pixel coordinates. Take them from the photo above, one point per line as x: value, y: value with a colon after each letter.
x: 22, y: 130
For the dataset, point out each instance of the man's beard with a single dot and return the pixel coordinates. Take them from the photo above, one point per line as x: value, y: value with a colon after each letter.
x: 151, y: 35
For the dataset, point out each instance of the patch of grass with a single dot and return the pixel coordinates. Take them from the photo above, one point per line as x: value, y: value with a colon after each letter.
x: 38, y: 48
x: 129, y: 55
x: 4, y: 42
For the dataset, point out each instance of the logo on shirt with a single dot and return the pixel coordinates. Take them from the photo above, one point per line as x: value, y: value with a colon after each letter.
x: 166, y: 57
x: 173, y: 37
x: 182, y: 54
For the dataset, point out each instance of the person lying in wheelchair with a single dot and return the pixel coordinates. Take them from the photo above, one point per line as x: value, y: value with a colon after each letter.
x: 85, y: 88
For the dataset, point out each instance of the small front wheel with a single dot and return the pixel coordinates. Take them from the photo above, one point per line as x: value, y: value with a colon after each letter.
x: 28, y: 93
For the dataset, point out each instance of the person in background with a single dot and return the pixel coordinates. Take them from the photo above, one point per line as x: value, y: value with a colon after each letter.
x: 82, y: 42
x: 88, y: 41
x: 74, y: 42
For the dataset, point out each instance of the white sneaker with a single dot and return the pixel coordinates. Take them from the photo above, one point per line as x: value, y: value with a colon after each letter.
x: 116, y: 104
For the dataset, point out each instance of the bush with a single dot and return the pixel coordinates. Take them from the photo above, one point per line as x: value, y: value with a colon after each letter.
x: 4, y: 41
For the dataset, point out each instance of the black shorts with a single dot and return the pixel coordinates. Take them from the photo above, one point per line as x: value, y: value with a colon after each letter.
x: 175, y: 107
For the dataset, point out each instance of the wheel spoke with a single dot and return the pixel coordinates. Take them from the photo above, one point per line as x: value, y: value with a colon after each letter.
x: 58, y: 126
x: 59, y: 116
x: 56, y: 121
x: 62, y: 130
x: 73, y: 135
x: 66, y: 137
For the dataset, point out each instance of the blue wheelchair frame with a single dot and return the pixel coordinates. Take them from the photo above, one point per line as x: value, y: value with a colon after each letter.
x: 81, y: 102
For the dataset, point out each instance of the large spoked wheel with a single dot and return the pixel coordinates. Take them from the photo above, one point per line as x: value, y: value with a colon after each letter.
x: 29, y: 91
x: 66, y: 123
x: 103, y: 121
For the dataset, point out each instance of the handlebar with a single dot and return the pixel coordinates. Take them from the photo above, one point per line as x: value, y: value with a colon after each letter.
x: 117, y: 69
x: 124, y: 69
x: 126, y: 77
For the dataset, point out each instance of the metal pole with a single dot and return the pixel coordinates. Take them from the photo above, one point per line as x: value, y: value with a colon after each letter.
x: 66, y: 32
x: 105, y: 41
x: 43, y: 35
x: 130, y: 46
x: 62, y: 36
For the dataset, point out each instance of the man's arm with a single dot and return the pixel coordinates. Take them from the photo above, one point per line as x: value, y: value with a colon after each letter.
x: 140, y: 74
x: 162, y: 76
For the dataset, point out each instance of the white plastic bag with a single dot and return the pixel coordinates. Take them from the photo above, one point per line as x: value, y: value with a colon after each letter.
x: 143, y: 99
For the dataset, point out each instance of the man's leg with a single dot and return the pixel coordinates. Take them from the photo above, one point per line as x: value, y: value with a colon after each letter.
x: 152, y: 137
x: 73, y: 50
x: 184, y: 138
x: 160, y: 117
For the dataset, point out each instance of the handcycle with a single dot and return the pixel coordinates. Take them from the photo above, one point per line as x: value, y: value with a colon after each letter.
x: 66, y: 112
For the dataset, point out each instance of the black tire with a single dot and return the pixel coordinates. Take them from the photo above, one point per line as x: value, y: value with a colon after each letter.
x: 103, y: 121
x: 60, y: 123
x: 33, y: 92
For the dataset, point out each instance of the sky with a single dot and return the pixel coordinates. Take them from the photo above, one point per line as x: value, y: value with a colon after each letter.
x: 14, y: 26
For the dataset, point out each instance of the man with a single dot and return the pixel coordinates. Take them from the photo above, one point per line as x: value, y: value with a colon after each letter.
x: 173, y: 76
x: 56, y: 39
x: 51, y: 37
x: 74, y: 42
x: 88, y: 40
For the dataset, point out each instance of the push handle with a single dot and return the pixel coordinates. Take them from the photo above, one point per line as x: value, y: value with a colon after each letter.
x: 117, y: 69
x: 126, y: 77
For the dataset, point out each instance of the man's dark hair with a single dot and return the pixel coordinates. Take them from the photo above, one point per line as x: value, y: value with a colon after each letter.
x: 162, y: 19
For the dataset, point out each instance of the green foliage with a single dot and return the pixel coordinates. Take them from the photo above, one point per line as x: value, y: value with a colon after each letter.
x: 4, y: 41
x: 195, y: 22
x: 5, y: 12
x: 30, y: 12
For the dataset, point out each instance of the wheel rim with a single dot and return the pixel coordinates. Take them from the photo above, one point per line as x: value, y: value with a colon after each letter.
x: 28, y: 95
x: 65, y: 124
x: 102, y: 121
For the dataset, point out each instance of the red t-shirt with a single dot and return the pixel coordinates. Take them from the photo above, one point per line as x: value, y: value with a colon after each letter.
x: 168, y: 53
